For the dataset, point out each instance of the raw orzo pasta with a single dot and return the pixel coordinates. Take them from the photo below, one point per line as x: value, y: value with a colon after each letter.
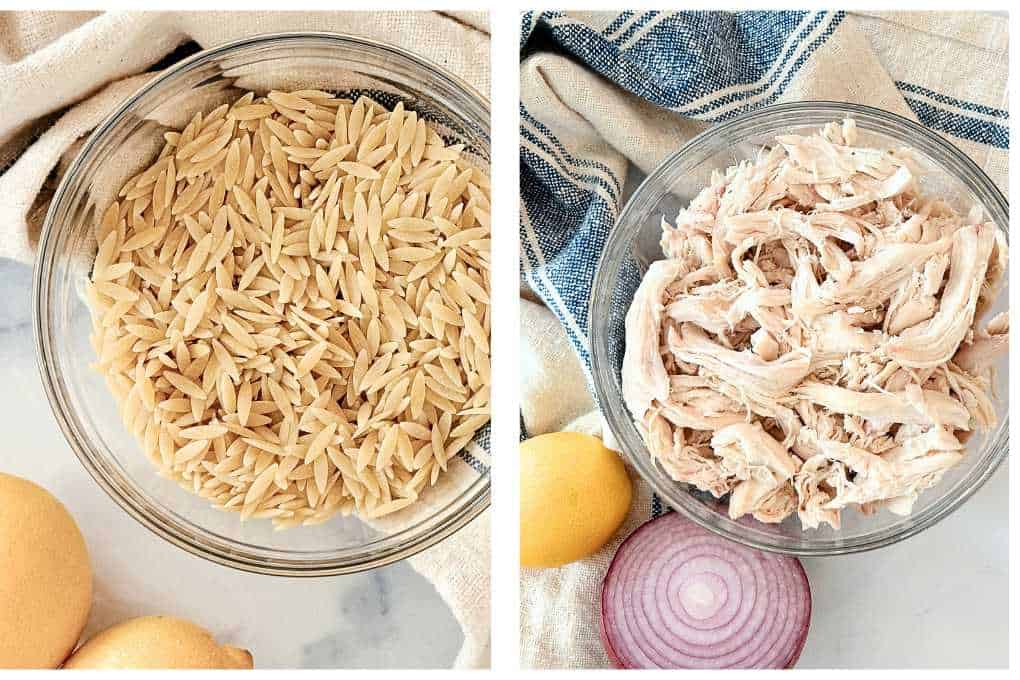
x: 292, y: 306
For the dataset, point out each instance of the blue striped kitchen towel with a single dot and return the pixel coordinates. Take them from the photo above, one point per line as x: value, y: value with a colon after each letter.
x: 603, y: 93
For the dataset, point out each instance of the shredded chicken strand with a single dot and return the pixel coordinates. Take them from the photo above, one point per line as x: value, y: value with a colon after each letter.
x: 814, y: 338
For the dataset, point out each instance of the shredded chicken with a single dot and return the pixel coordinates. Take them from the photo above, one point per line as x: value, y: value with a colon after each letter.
x: 814, y: 338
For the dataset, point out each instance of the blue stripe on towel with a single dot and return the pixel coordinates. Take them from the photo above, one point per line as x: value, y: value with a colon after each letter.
x: 685, y: 56
x: 728, y: 98
x: 641, y: 22
x: 656, y: 506
x: 568, y: 235
x: 482, y: 440
x: 615, y: 24
x: 477, y: 465
x: 579, y: 178
x: 834, y: 21
x: 958, y: 125
x: 550, y: 138
x: 952, y: 101
x: 957, y: 117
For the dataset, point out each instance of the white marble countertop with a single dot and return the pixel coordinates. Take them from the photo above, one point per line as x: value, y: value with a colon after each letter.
x: 368, y: 620
x: 937, y: 600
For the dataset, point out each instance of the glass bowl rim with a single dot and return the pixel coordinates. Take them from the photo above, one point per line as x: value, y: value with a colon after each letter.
x: 618, y: 418
x: 387, y: 550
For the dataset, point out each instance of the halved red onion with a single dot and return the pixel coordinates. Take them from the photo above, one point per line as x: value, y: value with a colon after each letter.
x: 678, y: 596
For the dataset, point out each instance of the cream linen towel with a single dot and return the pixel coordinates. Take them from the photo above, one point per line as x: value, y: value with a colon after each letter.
x: 587, y: 116
x: 61, y: 73
x: 559, y: 607
x: 52, y: 60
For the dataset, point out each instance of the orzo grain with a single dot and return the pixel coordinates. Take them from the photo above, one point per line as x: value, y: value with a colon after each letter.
x: 291, y: 306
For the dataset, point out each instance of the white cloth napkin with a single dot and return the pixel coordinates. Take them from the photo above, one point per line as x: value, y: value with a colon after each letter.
x: 61, y: 73
x: 588, y: 130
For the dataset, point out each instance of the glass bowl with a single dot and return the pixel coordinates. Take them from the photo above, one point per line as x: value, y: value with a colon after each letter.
x: 634, y: 243
x: 128, y: 141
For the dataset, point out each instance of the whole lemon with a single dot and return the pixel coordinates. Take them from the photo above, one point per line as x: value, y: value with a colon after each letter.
x: 157, y: 642
x: 45, y: 577
x: 575, y: 493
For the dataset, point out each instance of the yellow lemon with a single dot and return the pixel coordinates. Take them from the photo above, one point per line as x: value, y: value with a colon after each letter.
x: 45, y: 577
x: 574, y: 494
x: 157, y: 642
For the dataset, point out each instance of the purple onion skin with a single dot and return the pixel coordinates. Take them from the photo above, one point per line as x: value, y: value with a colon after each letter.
x: 614, y: 657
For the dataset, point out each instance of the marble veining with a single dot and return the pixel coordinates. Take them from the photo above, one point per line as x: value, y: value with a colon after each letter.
x: 368, y: 620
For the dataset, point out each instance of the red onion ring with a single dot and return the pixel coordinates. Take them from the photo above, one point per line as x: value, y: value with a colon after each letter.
x: 678, y: 596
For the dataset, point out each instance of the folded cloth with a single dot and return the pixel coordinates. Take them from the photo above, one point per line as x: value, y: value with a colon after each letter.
x: 64, y: 72
x: 603, y: 93
x: 50, y: 61
x: 559, y: 610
